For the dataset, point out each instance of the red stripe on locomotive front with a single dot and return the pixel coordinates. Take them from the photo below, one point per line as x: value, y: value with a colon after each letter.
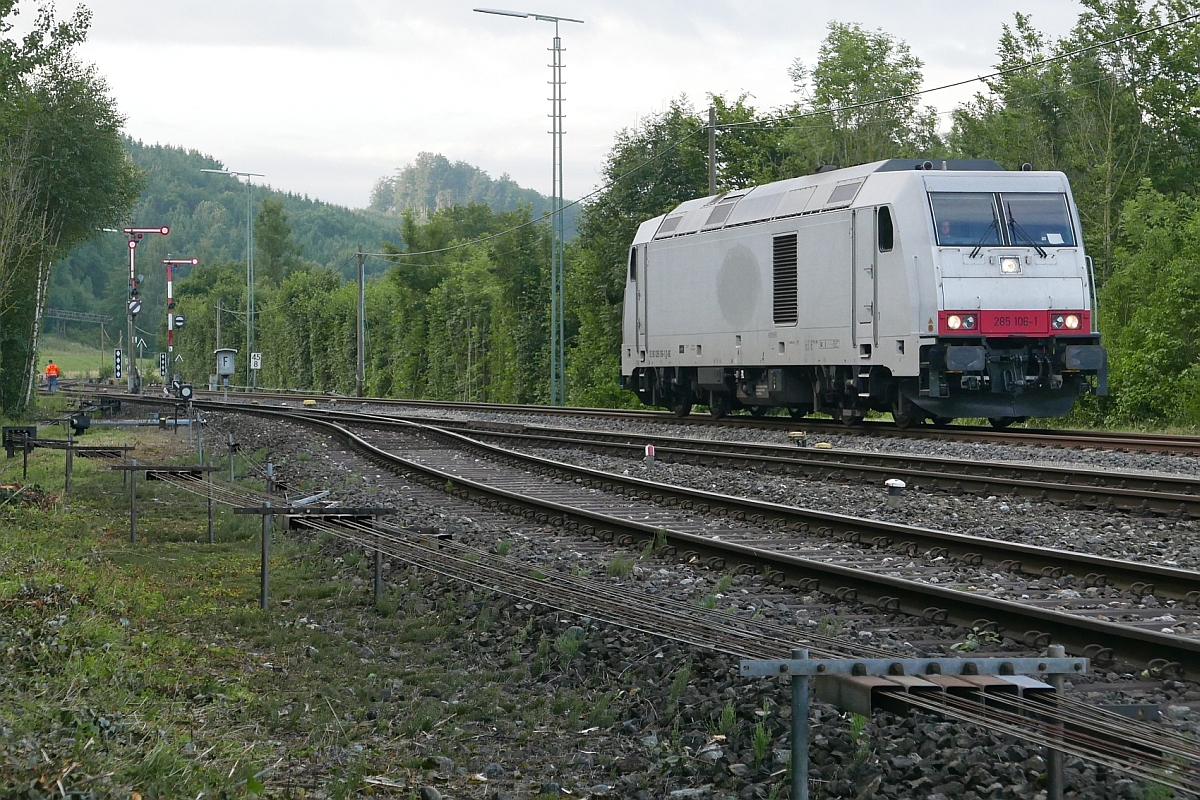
x: 1025, y: 322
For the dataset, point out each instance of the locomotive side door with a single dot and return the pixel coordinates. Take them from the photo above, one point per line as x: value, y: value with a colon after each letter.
x: 638, y: 270
x: 865, y: 295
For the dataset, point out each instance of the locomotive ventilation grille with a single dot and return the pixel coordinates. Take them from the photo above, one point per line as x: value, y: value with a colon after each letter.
x: 785, y: 288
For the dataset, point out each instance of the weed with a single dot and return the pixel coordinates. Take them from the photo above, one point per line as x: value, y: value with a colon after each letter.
x: 724, y: 584
x: 761, y: 741
x: 601, y: 714
x: 567, y: 646
x: 709, y: 602
x: 449, y: 487
x: 537, y: 575
x: 620, y: 566
x: 975, y: 639
x: 304, y: 457
x: 727, y: 722
x: 353, y: 558
x: 862, y: 751
x: 680, y: 682
x: 503, y: 547
x: 1157, y: 791
x: 830, y: 625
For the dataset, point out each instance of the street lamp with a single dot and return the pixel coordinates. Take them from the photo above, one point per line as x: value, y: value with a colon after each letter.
x: 558, y: 378
x: 249, y: 258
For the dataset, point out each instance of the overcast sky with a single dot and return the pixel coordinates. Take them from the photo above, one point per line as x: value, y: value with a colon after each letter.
x: 326, y: 96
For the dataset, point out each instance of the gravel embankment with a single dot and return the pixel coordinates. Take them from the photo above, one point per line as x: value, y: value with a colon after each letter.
x: 660, y: 745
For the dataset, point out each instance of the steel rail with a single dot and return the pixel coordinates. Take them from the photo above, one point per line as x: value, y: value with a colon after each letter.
x: 1139, y: 577
x: 1076, y: 738
x: 1079, y: 634
x: 1043, y: 437
x: 1095, y: 488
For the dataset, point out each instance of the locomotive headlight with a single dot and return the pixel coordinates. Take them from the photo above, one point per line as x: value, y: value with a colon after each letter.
x: 1010, y: 265
x: 1072, y: 322
x: 969, y: 322
x: 1058, y: 321
x: 954, y: 322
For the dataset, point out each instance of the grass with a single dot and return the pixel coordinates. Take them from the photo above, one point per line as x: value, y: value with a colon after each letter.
x: 149, y: 669
x: 75, y: 360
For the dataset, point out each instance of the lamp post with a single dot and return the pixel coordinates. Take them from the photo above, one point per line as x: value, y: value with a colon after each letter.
x: 249, y: 259
x: 558, y: 378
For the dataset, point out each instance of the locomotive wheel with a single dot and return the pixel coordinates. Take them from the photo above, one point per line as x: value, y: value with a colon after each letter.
x: 758, y: 412
x: 797, y: 412
x: 941, y: 422
x: 851, y: 417
x: 718, y: 405
x: 999, y: 423
x: 681, y: 403
x: 905, y: 414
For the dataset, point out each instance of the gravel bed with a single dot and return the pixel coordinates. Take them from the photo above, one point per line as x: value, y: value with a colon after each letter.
x: 1110, y: 604
x: 660, y: 748
x: 1167, y: 541
x: 1149, y: 463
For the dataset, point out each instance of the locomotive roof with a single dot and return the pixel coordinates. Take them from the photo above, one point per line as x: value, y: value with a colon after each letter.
x: 828, y: 190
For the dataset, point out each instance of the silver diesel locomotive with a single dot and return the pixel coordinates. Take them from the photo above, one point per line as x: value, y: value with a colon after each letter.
x: 929, y: 290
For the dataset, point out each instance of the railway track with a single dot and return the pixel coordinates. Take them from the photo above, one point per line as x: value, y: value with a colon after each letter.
x: 1035, y: 437
x: 1083, y: 730
x: 770, y: 549
x: 1077, y: 486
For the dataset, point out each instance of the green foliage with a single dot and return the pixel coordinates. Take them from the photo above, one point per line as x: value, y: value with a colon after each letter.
x: 856, y: 66
x: 761, y: 740
x: 275, y: 251
x: 62, y: 174
x: 207, y: 217
x: 620, y: 566
x: 1151, y: 312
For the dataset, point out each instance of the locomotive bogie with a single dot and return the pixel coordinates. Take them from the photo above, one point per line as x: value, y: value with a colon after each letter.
x: 943, y: 293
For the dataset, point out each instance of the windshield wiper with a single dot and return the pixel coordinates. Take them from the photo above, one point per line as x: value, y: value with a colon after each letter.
x: 1014, y: 227
x: 983, y: 239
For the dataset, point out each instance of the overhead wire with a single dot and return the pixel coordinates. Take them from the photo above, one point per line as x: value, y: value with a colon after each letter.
x: 804, y: 115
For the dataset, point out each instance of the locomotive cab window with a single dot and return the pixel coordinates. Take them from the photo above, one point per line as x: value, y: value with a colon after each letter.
x: 886, y: 233
x: 1038, y: 219
x: 965, y: 219
x: 633, y: 264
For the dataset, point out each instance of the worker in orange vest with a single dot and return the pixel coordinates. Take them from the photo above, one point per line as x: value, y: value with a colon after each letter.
x: 52, y: 376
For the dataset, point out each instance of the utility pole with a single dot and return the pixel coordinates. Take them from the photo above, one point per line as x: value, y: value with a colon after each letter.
x: 249, y: 260
x: 360, y: 374
x: 712, y: 150
x: 218, y: 323
x: 558, y: 379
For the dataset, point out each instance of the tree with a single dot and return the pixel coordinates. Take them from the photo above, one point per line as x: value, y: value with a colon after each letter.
x: 275, y: 252
x: 62, y: 173
x: 846, y: 123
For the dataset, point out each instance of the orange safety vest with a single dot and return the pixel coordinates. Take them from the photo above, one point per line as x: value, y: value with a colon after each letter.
x: 52, y: 371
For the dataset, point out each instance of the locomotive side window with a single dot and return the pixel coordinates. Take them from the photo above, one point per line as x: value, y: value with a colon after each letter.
x: 1039, y: 219
x: 633, y: 264
x: 965, y: 219
x: 886, y: 234
x: 786, y: 298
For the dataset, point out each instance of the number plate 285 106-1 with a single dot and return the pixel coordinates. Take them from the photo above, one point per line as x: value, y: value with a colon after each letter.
x: 1014, y: 322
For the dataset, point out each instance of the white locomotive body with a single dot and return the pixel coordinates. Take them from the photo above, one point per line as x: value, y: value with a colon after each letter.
x: 960, y: 290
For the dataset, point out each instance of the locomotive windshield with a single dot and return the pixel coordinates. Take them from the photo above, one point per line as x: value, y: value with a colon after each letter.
x: 1038, y: 219
x: 980, y: 219
x: 965, y: 219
